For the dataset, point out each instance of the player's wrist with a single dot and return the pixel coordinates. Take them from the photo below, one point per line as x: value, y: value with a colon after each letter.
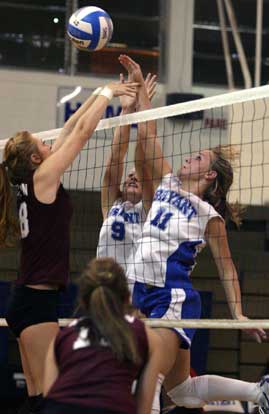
x: 128, y: 109
x: 107, y: 92
x: 238, y: 315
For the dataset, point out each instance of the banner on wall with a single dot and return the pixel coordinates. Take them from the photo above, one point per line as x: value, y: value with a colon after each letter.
x: 69, y: 99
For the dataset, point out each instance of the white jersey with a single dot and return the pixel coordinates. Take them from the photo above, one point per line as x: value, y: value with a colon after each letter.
x: 120, y: 232
x: 172, y: 236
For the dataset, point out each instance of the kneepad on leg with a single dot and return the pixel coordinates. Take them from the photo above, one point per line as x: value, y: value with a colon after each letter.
x: 186, y: 395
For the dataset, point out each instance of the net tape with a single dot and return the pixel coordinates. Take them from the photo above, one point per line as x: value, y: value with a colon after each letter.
x: 216, y: 101
x: 188, y: 323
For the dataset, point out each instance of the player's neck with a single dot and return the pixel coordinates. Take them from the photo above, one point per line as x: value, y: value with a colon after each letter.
x: 196, y: 187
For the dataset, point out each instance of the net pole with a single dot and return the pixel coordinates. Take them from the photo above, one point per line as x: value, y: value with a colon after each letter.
x: 258, y: 52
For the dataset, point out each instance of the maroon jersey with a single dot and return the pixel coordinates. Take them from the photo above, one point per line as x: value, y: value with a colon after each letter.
x: 91, y: 376
x: 45, y: 235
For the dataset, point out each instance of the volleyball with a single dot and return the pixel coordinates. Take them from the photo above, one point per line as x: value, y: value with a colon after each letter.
x: 90, y: 28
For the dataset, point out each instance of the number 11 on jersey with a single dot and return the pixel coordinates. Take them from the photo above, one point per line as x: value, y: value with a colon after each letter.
x: 161, y: 219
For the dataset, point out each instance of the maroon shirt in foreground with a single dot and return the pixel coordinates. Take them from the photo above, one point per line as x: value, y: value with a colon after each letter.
x: 45, y: 231
x: 92, y: 377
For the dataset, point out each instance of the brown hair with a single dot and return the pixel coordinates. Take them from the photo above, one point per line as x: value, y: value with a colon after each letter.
x: 104, y: 297
x: 216, y: 193
x: 9, y: 228
x: 15, y: 168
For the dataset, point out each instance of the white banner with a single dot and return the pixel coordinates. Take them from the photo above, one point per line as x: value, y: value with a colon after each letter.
x: 66, y: 108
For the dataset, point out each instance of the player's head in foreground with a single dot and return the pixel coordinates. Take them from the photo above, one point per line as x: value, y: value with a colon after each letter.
x: 104, y: 297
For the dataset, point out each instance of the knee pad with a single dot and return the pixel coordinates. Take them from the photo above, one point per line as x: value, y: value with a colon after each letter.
x: 186, y: 395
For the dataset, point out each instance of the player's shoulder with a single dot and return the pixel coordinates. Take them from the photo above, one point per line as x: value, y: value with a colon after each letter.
x: 69, y: 329
x: 134, y: 322
x: 137, y: 326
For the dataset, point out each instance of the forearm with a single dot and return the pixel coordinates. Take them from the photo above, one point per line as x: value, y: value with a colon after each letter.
x: 120, y: 140
x: 71, y: 122
x: 89, y: 120
x: 148, y: 140
x: 233, y: 292
x: 144, y: 177
x: 146, y: 130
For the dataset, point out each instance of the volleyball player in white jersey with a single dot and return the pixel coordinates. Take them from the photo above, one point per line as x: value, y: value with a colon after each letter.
x: 124, y: 212
x: 188, y: 210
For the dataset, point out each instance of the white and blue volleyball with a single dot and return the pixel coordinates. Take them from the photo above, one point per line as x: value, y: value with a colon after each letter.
x: 90, y: 28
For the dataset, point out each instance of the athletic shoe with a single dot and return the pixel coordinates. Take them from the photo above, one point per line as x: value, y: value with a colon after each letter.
x: 264, y: 398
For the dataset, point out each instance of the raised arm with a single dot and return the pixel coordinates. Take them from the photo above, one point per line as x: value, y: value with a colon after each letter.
x: 147, y: 133
x: 217, y: 238
x: 48, y: 175
x: 115, y: 163
x: 71, y: 122
x: 141, y: 167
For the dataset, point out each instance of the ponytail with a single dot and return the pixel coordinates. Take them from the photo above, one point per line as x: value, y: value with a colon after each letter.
x: 104, y: 296
x: 228, y: 211
x: 8, y: 223
x: 216, y: 193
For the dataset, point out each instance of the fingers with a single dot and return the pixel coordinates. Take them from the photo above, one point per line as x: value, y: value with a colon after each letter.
x: 122, y: 78
x: 262, y: 334
x: 125, y: 62
x: 150, y: 83
x: 128, y: 63
x: 126, y: 88
x: 257, y: 337
x: 132, y: 84
x: 152, y: 90
x: 150, y: 79
x: 258, y: 334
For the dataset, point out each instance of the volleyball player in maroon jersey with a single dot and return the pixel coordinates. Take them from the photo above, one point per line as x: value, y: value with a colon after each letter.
x: 44, y: 214
x: 92, y: 364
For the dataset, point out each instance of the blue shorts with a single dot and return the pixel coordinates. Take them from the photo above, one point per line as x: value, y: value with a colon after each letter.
x: 167, y: 303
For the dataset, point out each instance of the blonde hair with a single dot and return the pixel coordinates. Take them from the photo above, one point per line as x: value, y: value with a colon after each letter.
x: 224, y: 158
x: 16, y: 166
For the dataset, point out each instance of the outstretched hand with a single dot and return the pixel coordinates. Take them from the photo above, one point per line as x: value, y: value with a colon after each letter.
x: 132, y: 68
x: 135, y: 75
x: 124, y: 88
x: 257, y: 333
x: 127, y: 102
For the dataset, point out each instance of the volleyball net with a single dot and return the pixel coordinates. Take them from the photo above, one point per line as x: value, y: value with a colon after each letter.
x: 239, y: 119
